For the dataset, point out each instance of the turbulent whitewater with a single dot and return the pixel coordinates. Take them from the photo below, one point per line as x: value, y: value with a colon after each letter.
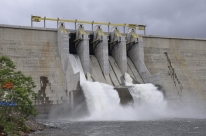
x: 104, y: 103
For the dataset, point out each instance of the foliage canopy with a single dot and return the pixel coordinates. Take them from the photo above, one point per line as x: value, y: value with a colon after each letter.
x: 16, y: 92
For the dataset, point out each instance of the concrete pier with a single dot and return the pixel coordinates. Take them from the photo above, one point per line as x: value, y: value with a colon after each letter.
x: 82, y: 48
x: 136, y: 54
x: 118, y: 50
x: 100, y: 48
x: 63, y: 46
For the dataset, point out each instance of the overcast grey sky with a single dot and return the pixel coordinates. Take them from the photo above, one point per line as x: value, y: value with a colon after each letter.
x: 178, y: 18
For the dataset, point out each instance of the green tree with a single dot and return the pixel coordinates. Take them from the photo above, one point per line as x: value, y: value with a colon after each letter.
x: 15, y: 88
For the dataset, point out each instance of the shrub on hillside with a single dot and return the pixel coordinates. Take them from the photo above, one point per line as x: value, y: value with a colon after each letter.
x: 16, y: 94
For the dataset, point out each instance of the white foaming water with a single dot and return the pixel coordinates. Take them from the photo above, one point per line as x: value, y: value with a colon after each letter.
x: 104, y: 103
x: 101, y: 99
x: 146, y: 94
x: 77, y: 66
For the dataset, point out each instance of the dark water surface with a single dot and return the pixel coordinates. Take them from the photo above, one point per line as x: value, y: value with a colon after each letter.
x: 173, y: 127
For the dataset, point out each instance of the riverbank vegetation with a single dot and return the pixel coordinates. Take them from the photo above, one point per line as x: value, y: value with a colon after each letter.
x: 16, y: 96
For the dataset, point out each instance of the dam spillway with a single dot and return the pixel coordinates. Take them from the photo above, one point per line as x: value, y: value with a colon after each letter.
x: 177, y: 64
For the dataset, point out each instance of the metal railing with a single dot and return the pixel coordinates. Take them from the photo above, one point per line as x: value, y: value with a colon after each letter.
x: 39, y: 19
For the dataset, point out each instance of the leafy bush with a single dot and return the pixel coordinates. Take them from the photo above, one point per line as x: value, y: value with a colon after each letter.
x: 17, y: 89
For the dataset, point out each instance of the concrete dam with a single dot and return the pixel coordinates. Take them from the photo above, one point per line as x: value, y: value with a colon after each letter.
x: 55, y: 58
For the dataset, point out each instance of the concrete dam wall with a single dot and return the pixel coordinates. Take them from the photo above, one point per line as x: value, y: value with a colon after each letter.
x: 35, y: 53
x: 181, y: 62
x: 49, y: 56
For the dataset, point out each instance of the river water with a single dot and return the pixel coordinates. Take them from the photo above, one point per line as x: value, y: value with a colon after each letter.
x: 172, y: 127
